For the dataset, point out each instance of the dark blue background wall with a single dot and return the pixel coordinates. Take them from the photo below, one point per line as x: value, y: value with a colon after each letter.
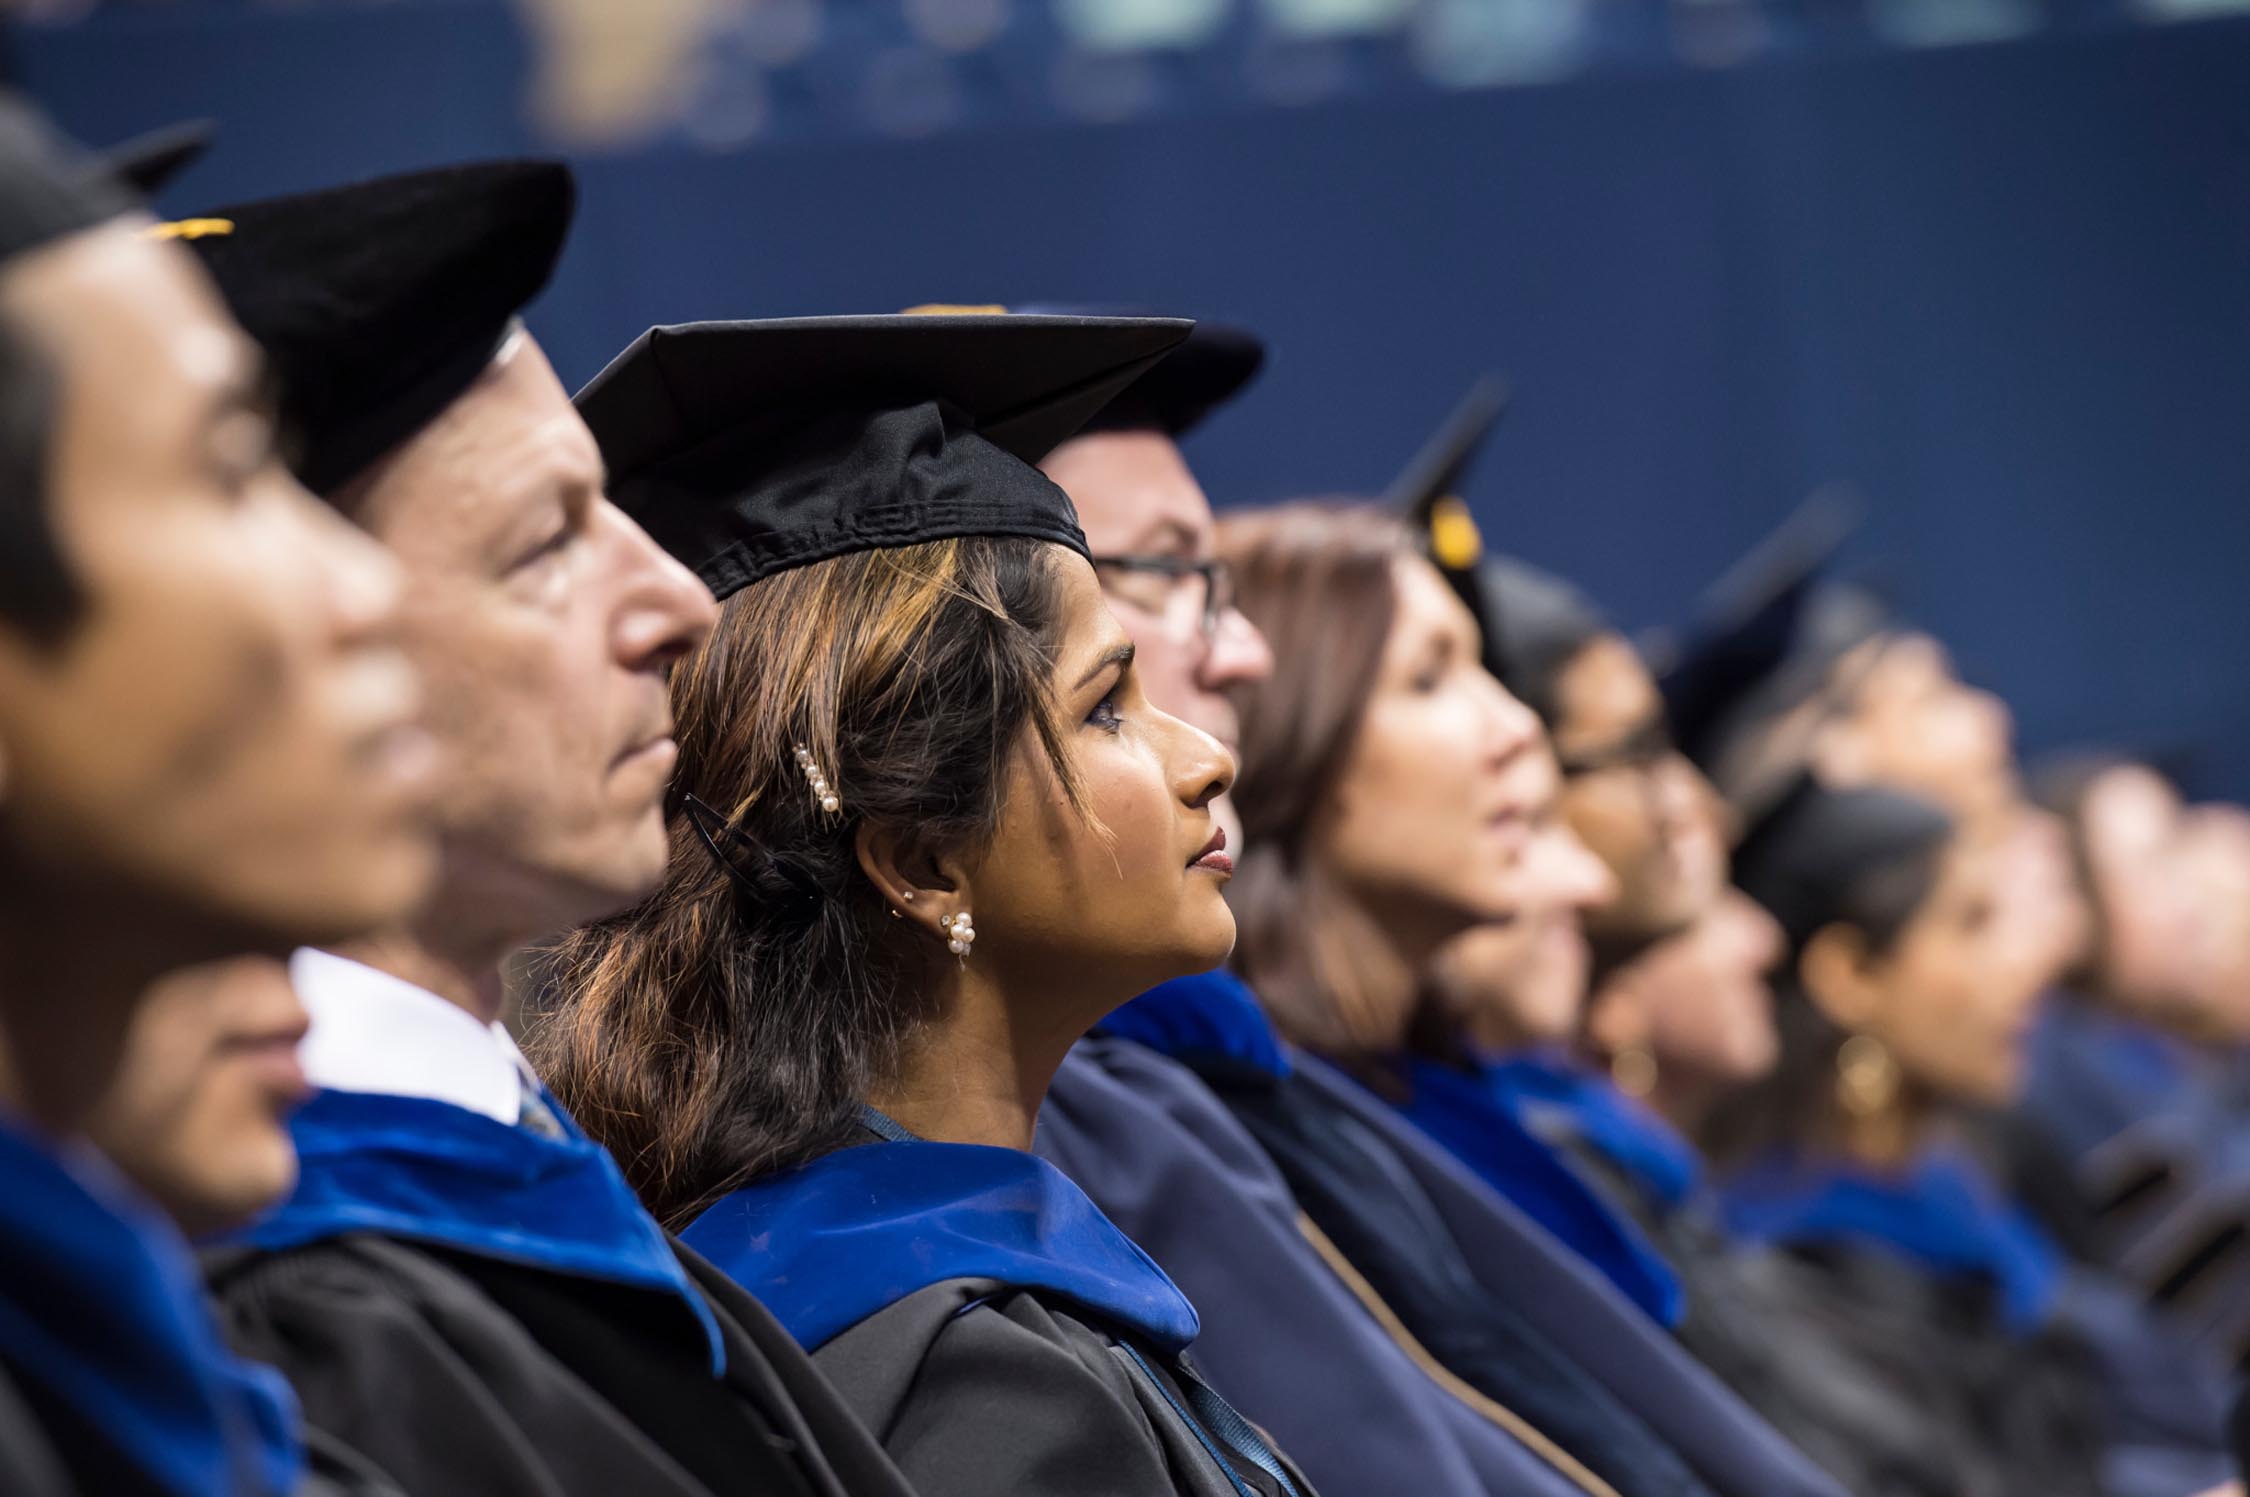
x: 2005, y: 290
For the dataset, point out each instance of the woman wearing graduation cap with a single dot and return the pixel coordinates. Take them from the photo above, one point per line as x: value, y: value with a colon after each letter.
x: 1977, y: 1362
x: 928, y: 832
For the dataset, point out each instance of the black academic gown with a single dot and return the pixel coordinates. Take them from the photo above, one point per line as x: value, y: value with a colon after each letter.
x: 483, y: 1311
x: 1289, y: 1335
x: 1763, y: 1319
x: 1489, y: 1292
x: 1904, y: 1386
x: 1928, y: 1311
x: 29, y: 1466
x: 996, y: 1332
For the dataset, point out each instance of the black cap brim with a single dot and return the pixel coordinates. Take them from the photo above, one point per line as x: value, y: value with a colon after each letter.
x: 1426, y: 495
x: 148, y: 163
x: 1025, y: 383
x: 1747, y: 644
x: 1203, y: 373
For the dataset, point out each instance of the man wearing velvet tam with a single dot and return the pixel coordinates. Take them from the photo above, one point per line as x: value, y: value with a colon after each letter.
x: 462, y: 1283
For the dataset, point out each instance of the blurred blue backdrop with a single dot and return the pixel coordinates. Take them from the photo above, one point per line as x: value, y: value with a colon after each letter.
x: 1725, y: 253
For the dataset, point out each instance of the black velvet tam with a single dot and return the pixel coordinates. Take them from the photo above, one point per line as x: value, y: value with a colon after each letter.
x: 379, y: 303
x: 48, y: 188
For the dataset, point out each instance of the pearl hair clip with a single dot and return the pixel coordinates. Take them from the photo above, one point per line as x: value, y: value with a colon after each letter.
x: 822, y: 791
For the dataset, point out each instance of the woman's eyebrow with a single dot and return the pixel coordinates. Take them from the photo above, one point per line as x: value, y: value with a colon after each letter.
x: 1117, y: 654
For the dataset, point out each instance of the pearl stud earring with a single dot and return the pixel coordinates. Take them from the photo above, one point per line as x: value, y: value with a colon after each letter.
x: 960, y: 935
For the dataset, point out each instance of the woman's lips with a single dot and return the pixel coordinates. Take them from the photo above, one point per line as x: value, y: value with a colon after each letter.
x: 1214, y: 857
x: 1512, y: 829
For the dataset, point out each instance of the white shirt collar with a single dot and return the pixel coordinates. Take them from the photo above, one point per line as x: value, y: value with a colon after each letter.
x: 372, y: 1032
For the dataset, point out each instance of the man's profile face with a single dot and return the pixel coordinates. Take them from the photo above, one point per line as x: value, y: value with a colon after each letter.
x: 1911, y: 723
x: 1632, y: 797
x: 543, y: 620
x: 224, y: 741
x: 198, y: 1113
x: 1136, y: 498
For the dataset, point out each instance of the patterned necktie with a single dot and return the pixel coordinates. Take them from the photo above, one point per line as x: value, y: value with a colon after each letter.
x: 534, y: 1113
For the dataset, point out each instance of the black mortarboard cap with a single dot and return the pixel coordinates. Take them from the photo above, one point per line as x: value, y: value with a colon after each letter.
x: 1427, y: 496
x: 1813, y: 856
x: 1539, y: 624
x: 148, y: 162
x: 748, y: 448
x: 1206, y: 371
x: 49, y: 188
x: 1767, y: 633
x: 379, y: 303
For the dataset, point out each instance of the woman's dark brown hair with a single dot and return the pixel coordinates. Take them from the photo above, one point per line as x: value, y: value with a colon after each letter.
x: 1319, y: 579
x: 1865, y: 859
x: 730, y: 1024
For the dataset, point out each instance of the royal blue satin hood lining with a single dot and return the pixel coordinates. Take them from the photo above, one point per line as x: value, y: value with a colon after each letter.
x: 1942, y: 1214
x: 831, y: 1242
x: 1542, y: 1088
x: 1209, y: 1015
x: 103, y: 1313
x: 428, y: 1171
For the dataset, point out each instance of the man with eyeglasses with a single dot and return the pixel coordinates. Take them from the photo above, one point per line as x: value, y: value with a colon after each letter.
x: 1150, y: 528
x: 1628, y: 792
x: 1285, y: 1335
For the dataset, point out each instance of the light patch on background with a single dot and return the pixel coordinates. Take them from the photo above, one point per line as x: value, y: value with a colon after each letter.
x: 1127, y: 25
x: 2190, y: 10
x: 1952, y: 23
x: 1480, y: 43
x: 1335, y: 17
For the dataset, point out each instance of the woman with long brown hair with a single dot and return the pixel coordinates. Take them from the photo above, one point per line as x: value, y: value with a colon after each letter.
x: 1394, y: 796
x: 928, y: 831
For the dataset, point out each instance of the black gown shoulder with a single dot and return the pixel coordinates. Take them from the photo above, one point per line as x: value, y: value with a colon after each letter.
x: 458, y: 1373
x: 29, y: 1464
x: 1379, y: 1219
x: 977, y: 1387
x: 1903, y: 1385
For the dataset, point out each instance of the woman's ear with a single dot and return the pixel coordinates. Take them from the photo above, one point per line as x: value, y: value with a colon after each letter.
x: 1837, y: 972
x: 925, y: 887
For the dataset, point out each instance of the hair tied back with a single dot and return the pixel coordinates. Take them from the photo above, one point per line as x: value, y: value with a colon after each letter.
x: 776, y: 883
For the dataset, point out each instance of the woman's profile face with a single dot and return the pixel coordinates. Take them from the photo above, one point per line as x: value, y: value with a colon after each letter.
x: 1961, y: 986
x: 1524, y: 982
x: 1438, y: 800
x: 1709, y: 1008
x: 1130, y: 894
